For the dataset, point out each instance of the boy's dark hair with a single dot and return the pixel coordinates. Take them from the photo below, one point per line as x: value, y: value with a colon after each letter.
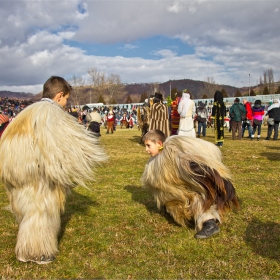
x: 154, y: 135
x: 54, y: 85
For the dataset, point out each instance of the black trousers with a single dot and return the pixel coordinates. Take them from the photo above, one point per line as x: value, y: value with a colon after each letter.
x: 270, y: 129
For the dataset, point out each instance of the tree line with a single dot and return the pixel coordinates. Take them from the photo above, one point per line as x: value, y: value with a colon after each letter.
x: 100, y: 88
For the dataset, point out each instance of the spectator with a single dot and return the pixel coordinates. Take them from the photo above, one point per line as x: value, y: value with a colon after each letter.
x: 249, y: 119
x: 236, y: 112
x: 273, y: 112
x: 202, y: 117
x: 257, y: 112
x: 4, y: 121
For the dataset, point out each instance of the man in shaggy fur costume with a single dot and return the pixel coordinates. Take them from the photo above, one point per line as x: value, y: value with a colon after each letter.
x: 187, y: 177
x: 45, y: 152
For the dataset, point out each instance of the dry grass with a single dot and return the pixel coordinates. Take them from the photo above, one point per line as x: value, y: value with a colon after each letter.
x: 116, y: 232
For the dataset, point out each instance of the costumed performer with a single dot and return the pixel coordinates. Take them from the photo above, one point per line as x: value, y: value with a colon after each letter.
x: 143, y: 118
x: 175, y: 116
x: 95, y: 122
x: 218, y: 115
x: 187, y: 177
x: 159, y: 116
x: 186, y: 109
x: 51, y: 153
x: 110, y: 122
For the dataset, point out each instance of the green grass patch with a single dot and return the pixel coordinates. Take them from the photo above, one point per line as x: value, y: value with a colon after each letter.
x: 115, y: 231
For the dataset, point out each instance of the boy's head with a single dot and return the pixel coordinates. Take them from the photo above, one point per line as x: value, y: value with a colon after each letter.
x: 153, y: 141
x: 57, y: 89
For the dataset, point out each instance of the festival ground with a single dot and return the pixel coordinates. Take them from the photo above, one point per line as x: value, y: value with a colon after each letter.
x: 115, y: 231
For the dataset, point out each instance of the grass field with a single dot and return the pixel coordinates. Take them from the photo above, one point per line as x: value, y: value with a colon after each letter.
x: 115, y: 231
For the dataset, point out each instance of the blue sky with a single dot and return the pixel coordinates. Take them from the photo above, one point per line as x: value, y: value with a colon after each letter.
x: 139, y: 40
x: 146, y: 48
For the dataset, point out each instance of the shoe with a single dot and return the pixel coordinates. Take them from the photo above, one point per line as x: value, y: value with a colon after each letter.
x: 209, y: 228
x: 42, y: 260
x: 266, y: 138
x: 258, y: 139
x: 198, y: 136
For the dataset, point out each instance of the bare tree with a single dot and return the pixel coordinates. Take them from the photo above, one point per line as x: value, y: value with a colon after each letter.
x: 270, y: 80
x: 154, y: 87
x: 114, y: 86
x: 261, y: 85
x: 97, y: 80
x: 210, y: 87
x: 267, y: 81
x: 77, y: 84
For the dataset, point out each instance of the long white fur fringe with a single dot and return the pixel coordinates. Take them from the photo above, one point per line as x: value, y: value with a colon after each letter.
x: 44, y: 152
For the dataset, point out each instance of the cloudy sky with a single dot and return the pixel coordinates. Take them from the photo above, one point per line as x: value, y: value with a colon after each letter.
x: 233, y: 41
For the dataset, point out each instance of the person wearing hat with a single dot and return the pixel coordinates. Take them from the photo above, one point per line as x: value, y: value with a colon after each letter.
x: 159, y: 117
x: 257, y: 112
x: 186, y: 109
x: 236, y: 111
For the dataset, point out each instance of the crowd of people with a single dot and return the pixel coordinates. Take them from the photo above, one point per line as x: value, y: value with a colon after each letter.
x: 182, y: 117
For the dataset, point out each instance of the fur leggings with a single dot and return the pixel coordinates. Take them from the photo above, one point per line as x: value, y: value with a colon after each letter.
x: 37, y: 211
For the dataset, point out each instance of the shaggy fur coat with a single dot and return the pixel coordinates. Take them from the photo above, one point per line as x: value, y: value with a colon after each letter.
x: 44, y: 152
x: 190, y: 180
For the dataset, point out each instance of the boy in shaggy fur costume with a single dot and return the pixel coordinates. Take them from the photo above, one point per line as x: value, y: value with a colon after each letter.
x: 187, y: 177
x: 45, y: 152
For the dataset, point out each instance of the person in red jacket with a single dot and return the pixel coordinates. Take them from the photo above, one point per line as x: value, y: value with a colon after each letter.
x: 249, y: 119
x: 110, y: 122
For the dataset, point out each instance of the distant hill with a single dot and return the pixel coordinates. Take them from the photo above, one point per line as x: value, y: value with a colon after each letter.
x: 19, y: 95
x: 197, y: 89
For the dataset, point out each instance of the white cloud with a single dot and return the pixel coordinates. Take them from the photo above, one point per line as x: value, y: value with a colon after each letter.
x: 176, y: 7
x: 230, y: 38
x: 165, y: 53
x: 129, y: 47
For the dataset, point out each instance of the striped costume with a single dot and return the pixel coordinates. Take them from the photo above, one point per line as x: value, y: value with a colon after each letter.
x: 159, y: 118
